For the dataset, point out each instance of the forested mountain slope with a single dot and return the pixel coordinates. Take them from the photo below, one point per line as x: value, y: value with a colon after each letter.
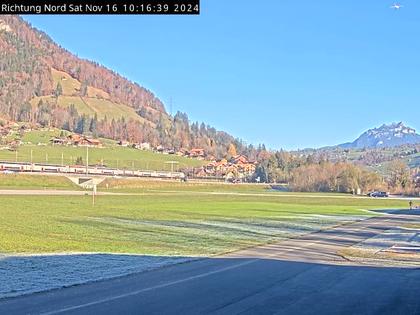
x: 43, y: 83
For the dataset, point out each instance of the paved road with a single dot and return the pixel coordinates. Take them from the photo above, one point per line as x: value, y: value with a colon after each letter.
x: 54, y: 192
x: 298, y: 276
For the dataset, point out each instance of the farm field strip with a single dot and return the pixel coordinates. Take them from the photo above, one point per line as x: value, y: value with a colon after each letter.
x: 166, y: 224
x: 115, y: 157
x: 48, y: 242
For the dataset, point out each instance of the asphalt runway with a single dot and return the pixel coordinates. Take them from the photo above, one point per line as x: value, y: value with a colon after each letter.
x: 304, y: 275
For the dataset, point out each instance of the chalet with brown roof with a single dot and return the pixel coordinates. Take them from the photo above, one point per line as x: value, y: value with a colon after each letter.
x: 197, y: 153
x: 80, y: 140
x: 221, y: 165
x: 74, y: 139
x: 240, y: 159
x: 238, y: 167
x: 202, y: 173
x: 211, y: 167
x: 91, y: 142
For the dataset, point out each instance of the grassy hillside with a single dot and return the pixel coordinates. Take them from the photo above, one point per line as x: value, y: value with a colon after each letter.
x: 111, y: 155
x: 42, y: 136
x: 95, y: 102
x: 124, y: 158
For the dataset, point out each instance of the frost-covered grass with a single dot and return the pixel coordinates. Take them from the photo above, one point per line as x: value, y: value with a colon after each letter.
x: 29, y: 274
x: 396, y: 245
x: 168, y: 224
x: 158, y: 228
x: 141, y: 185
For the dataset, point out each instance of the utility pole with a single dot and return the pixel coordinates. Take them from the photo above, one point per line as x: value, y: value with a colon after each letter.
x: 172, y: 163
x: 32, y: 164
x: 62, y: 158
x: 16, y: 157
x: 93, y: 194
x: 87, y: 160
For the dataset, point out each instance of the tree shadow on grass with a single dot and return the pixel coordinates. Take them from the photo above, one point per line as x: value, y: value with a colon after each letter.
x: 21, y: 274
x: 234, y: 285
x: 414, y: 212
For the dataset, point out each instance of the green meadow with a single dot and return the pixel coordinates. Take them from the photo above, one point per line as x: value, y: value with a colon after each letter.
x: 26, y: 181
x: 183, y: 221
x: 111, y: 156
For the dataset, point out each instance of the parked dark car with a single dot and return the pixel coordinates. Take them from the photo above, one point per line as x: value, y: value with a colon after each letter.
x: 378, y: 194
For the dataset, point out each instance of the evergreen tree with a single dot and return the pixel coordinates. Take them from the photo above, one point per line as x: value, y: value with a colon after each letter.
x: 81, y: 123
x: 94, y: 124
x: 58, y: 90
x: 83, y: 89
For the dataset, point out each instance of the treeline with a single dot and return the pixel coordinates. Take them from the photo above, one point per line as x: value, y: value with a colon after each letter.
x: 401, y: 179
x: 178, y: 132
x: 314, y: 173
x: 335, y: 177
x: 170, y: 132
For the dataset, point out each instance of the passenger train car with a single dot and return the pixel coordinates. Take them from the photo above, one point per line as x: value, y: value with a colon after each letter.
x: 91, y: 170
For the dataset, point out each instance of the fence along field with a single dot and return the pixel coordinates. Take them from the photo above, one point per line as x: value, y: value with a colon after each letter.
x: 113, y: 157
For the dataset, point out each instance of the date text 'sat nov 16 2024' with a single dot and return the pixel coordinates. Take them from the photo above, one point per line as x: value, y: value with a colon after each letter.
x: 102, y: 7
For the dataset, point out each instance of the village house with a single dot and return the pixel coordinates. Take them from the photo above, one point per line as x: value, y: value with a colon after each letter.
x: 182, y: 152
x: 202, y: 173
x: 197, y: 153
x: 145, y: 146
x: 160, y: 149
x: 91, y: 142
x: 80, y: 140
x: 239, y: 159
x: 221, y: 166
x: 58, y: 141
x: 142, y: 146
x: 123, y: 143
x: 239, y: 167
x: 4, y: 131
x: 210, y: 158
x: 74, y: 139
x: 243, y: 165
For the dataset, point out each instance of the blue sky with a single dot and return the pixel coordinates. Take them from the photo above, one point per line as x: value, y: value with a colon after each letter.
x: 287, y: 73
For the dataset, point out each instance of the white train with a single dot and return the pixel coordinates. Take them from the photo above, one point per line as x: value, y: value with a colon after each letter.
x: 91, y: 170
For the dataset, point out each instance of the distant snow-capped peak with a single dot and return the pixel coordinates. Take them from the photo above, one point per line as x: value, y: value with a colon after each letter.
x: 392, y: 135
